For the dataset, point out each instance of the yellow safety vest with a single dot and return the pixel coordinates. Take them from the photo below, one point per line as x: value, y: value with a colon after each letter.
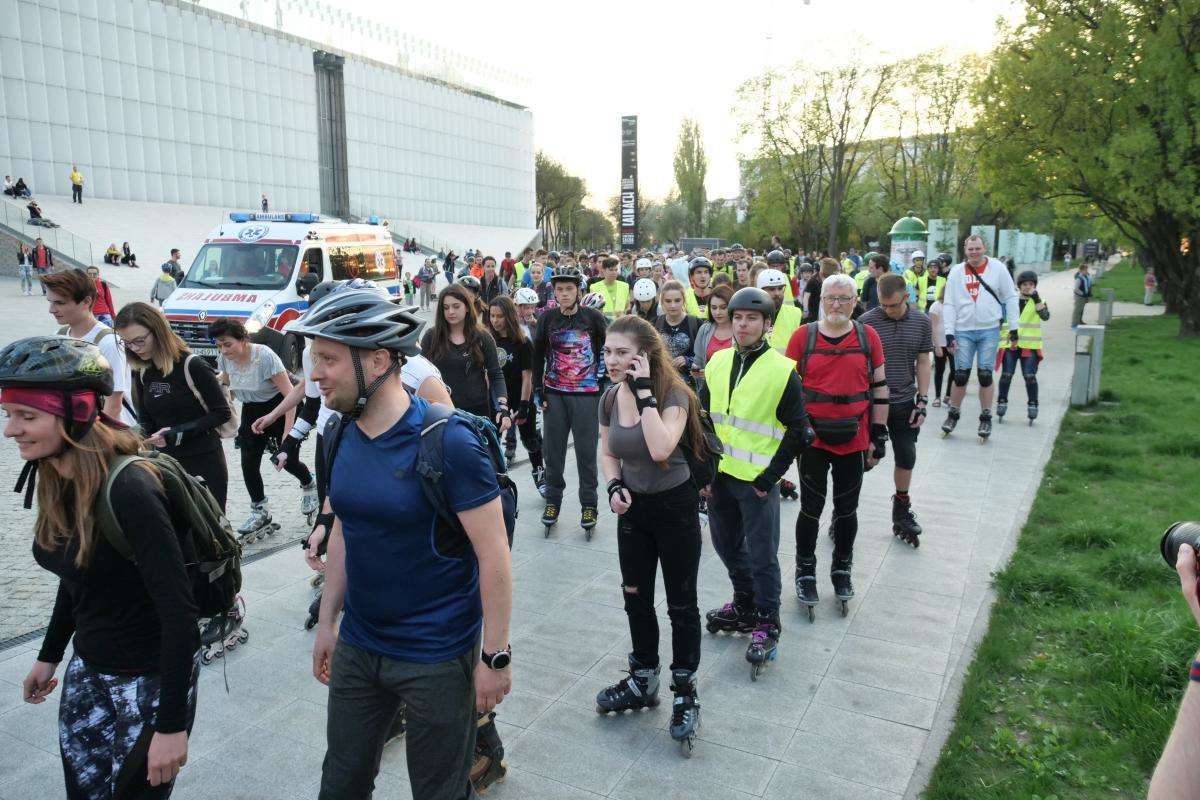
x: 860, y: 278
x: 692, y: 304
x: 1029, y: 328
x: 787, y: 321
x: 746, y: 423
x: 616, y: 298
x: 930, y: 293
x: 518, y: 272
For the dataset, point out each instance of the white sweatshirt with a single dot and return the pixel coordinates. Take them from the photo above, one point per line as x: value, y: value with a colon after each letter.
x: 962, y: 312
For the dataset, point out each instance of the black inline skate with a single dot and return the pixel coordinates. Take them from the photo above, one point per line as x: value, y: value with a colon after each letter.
x: 904, y: 522
x: 952, y: 415
x: 735, y: 617
x: 1032, y: 411
x: 490, y: 766
x: 587, y: 520
x: 1001, y: 410
x: 314, y: 613
x: 224, y: 632
x: 843, y: 589
x: 985, y: 426
x: 550, y: 517
x: 685, y: 711
x: 764, y: 645
x: 806, y: 585
x: 637, y: 691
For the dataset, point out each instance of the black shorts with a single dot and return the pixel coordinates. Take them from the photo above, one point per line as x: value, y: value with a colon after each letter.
x: 902, y: 434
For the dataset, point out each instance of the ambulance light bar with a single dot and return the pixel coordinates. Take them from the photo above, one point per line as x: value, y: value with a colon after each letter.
x: 247, y: 216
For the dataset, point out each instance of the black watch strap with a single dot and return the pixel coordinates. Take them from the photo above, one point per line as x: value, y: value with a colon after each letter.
x: 490, y: 658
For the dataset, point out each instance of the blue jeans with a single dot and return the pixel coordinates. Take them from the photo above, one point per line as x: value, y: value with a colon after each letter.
x: 976, y: 347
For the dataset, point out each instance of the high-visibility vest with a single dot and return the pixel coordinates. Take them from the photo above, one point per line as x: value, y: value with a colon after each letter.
x: 746, y: 423
x: 1029, y: 328
x: 787, y: 321
x: 518, y: 272
x: 860, y: 278
x: 616, y: 297
x: 692, y: 304
x: 929, y: 295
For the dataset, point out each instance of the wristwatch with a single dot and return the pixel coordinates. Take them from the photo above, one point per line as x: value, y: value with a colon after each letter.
x: 498, y: 660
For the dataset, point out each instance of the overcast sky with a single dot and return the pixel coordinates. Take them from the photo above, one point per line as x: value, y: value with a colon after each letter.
x: 589, y: 64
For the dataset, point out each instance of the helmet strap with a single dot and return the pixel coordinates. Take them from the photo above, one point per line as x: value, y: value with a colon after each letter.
x: 365, y: 391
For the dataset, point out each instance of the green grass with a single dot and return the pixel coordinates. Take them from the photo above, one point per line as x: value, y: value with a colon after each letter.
x: 1074, y: 688
x: 1127, y: 279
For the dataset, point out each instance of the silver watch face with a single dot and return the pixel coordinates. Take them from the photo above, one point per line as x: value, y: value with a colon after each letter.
x: 501, y: 660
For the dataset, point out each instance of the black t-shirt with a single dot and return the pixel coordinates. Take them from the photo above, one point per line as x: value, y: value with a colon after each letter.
x: 813, y: 287
x: 466, y: 378
x: 514, y: 357
x: 127, y: 617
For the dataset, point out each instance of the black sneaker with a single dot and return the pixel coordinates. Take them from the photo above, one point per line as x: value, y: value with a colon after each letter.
x: 509, y: 454
x: 550, y: 515
x: 587, y: 520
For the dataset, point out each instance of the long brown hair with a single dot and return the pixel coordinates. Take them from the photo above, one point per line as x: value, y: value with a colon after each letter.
x: 439, y: 337
x: 512, y: 322
x: 664, y: 378
x: 168, y: 347
x: 66, y: 506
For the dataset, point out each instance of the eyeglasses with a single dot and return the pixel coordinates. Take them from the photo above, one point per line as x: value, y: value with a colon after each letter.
x: 898, y: 304
x: 139, y: 342
x: 838, y: 301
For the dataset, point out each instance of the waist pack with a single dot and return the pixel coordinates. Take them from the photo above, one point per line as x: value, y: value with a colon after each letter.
x: 450, y: 536
x: 211, y: 551
x: 835, y: 430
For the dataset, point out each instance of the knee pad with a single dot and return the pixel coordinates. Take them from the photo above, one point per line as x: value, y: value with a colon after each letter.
x: 961, y: 376
x: 985, y: 377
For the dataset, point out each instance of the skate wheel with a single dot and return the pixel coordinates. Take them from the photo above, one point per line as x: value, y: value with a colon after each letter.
x: 244, y: 636
x: 601, y: 710
x: 686, y: 746
x: 219, y: 654
x: 712, y: 628
x: 205, y: 659
x: 1031, y: 423
x: 812, y: 613
x: 754, y: 670
x: 548, y: 531
x: 983, y: 440
x: 589, y: 535
x: 845, y: 608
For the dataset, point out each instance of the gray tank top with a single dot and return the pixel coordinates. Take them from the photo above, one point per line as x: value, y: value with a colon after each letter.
x: 640, y: 472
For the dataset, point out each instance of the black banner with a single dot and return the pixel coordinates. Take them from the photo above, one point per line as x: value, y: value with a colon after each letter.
x: 629, y: 192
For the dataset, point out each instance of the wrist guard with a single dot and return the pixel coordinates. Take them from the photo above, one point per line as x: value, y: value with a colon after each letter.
x: 614, y: 486
x: 300, y: 429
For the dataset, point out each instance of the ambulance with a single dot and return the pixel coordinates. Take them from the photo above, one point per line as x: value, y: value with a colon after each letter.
x: 258, y: 268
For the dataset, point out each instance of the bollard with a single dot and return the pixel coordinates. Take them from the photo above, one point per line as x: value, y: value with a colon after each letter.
x: 1106, y: 305
x: 1089, y: 353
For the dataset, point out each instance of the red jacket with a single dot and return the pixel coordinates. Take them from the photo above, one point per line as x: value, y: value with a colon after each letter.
x: 104, y: 301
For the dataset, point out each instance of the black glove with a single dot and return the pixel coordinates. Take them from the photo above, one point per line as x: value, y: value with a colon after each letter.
x: 1037, y: 301
x: 289, y: 450
x: 879, y: 440
x: 949, y: 341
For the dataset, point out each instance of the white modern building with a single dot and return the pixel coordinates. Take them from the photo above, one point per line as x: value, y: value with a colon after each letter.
x: 163, y: 101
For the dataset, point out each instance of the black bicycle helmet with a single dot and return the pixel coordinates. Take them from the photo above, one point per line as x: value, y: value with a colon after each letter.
x: 362, y: 319
x: 322, y: 290
x: 1027, y: 276
x: 55, y: 362
x: 567, y: 273
x: 776, y: 257
x: 470, y: 282
x: 699, y: 262
x: 752, y: 299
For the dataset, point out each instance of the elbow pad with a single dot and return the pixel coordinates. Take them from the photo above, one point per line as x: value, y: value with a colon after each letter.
x: 300, y: 429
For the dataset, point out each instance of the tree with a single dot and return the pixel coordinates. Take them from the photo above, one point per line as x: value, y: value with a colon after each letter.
x: 592, y: 229
x: 1095, y: 105
x: 556, y: 193
x: 691, y: 165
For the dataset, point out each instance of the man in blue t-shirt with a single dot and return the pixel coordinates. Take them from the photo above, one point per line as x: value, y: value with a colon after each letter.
x: 417, y: 597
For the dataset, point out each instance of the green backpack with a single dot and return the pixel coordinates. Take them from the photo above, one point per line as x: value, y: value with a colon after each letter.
x: 211, y: 551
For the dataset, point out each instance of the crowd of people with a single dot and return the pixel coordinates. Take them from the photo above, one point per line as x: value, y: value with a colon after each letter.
x: 693, y: 382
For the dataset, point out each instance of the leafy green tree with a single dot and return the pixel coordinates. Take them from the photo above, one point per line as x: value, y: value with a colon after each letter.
x: 556, y: 194
x: 691, y: 165
x: 1095, y: 105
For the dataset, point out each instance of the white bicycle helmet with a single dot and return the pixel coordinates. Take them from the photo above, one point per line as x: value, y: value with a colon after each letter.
x: 525, y: 297
x: 593, y: 300
x: 643, y: 263
x: 644, y: 290
x: 769, y: 278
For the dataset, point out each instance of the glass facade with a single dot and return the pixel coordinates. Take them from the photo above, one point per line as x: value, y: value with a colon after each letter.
x: 165, y: 102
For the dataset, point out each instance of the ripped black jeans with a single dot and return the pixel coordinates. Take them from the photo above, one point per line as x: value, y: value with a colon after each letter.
x: 663, y: 527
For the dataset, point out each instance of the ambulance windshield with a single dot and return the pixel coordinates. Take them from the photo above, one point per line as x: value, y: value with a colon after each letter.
x: 238, y: 266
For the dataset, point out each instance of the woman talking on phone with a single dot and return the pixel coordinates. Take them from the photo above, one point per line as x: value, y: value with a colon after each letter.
x: 647, y: 418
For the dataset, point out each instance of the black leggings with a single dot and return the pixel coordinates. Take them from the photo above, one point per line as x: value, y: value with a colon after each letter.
x: 939, y: 368
x: 815, y: 465
x: 211, y: 467
x: 531, y: 438
x: 254, y: 445
x: 663, y: 527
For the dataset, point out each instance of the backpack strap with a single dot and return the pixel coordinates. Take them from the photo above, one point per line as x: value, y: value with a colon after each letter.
x: 864, y: 347
x: 106, y: 518
x: 187, y: 376
x: 609, y: 400
x: 331, y: 438
x: 810, y: 344
x: 864, y: 342
x: 431, y: 460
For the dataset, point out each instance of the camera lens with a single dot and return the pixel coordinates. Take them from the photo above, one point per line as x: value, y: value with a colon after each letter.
x: 1177, y: 534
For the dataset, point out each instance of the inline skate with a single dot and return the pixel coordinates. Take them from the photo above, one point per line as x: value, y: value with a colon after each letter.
x: 843, y: 589
x: 258, y: 525
x: 806, y: 585
x: 310, y: 504
x: 952, y: 415
x: 685, y: 710
x: 223, y: 632
x: 735, y: 617
x: 490, y: 766
x: 985, y: 426
x: 764, y: 646
x: 637, y: 691
x: 904, y: 522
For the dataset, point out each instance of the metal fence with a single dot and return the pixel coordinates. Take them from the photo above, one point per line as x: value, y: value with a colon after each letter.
x: 15, y: 217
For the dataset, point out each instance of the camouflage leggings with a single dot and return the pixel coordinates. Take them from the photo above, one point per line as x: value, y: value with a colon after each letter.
x: 104, y: 731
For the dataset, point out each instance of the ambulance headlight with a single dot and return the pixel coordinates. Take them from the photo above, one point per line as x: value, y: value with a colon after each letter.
x: 260, y: 317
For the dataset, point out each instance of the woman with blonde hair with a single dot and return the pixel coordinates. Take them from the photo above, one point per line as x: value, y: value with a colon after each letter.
x: 647, y: 420
x: 129, y: 690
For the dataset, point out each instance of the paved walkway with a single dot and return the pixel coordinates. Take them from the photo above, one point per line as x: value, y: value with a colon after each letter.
x: 855, y: 707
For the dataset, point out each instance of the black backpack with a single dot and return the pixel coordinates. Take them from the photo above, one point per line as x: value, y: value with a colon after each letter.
x: 211, y: 551
x: 451, y: 537
x: 703, y: 464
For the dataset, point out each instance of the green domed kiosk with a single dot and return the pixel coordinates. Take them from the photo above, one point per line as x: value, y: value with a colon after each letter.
x: 908, y: 235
